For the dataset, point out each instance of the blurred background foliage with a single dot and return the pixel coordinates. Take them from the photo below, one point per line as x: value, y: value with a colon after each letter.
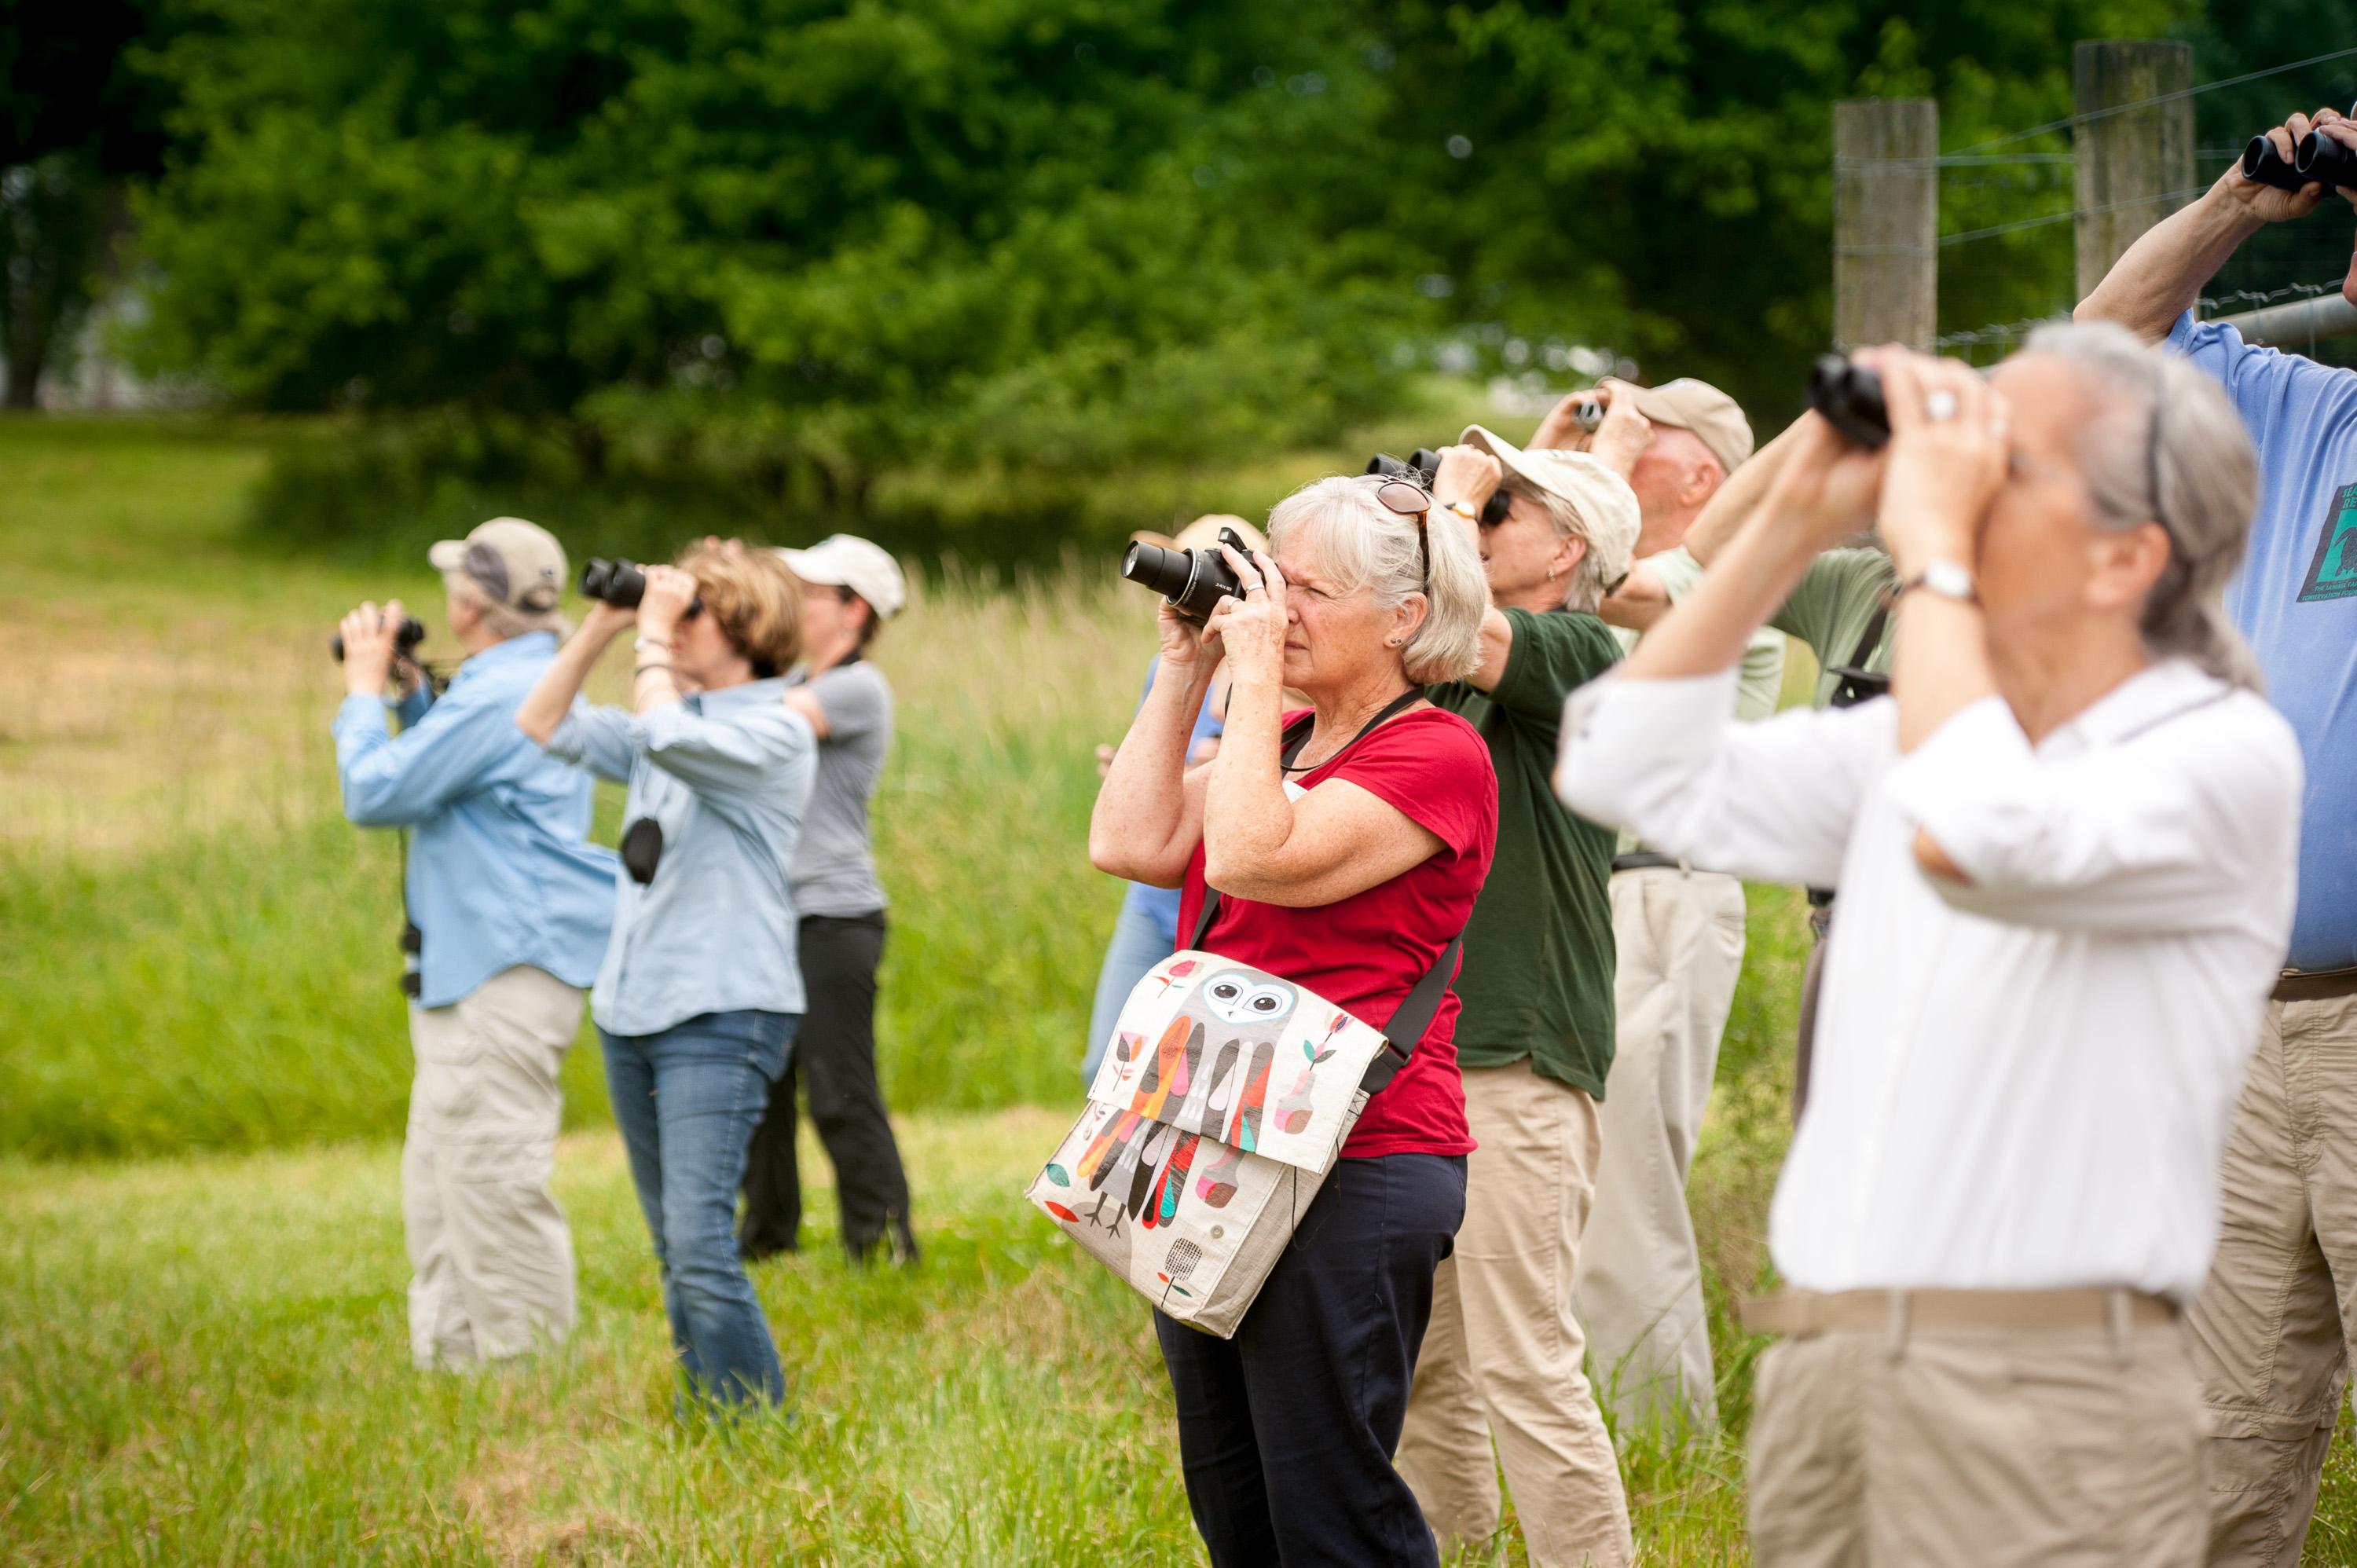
x: 967, y: 273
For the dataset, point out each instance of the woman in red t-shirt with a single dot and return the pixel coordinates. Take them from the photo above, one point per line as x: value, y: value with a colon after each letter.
x: 1349, y: 873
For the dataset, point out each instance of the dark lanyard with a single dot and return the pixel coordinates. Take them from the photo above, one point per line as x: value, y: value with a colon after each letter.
x: 1294, y: 748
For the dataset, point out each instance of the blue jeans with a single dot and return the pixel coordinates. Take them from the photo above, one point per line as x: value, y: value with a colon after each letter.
x: 687, y: 1100
x: 1137, y: 945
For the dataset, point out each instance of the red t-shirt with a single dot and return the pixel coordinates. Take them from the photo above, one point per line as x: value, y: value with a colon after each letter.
x: 1367, y: 952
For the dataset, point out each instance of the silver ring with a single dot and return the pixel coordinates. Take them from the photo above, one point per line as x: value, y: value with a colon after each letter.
x: 1940, y: 403
x: 1254, y: 588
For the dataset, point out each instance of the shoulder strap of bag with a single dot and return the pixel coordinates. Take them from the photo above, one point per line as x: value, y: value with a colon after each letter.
x: 1422, y: 1004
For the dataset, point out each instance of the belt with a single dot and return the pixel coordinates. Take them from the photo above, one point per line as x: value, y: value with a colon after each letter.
x: 1802, y: 1314
x: 2295, y: 986
x: 1647, y: 860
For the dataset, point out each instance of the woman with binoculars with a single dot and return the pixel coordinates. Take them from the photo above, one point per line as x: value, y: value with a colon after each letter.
x: 701, y: 993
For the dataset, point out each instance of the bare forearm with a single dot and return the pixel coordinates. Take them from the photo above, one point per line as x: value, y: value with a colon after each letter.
x: 1711, y: 628
x: 1246, y: 816
x: 2162, y: 274
x: 1723, y: 515
x: 546, y: 707
x: 1641, y: 599
x: 1143, y: 798
x: 1939, y: 664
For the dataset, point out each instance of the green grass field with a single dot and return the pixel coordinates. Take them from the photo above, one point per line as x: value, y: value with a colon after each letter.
x: 204, y: 1067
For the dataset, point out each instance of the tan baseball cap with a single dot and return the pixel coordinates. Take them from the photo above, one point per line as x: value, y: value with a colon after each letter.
x: 1606, y: 505
x: 1202, y: 533
x: 848, y: 561
x: 1689, y: 405
x: 518, y: 563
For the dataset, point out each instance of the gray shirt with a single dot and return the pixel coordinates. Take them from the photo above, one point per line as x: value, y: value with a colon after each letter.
x: 727, y: 775
x: 834, y: 870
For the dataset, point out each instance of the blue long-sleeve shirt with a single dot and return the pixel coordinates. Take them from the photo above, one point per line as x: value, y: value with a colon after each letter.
x: 725, y: 775
x: 500, y: 870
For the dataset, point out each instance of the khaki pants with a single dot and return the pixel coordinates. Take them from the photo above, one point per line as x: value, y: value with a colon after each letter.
x: 1977, y: 1448
x: 491, y: 1261
x: 1638, y: 1290
x: 2271, y: 1330
x: 1503, y: 1354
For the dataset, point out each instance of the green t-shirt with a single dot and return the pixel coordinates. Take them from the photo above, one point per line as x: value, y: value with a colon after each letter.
x: 1830, y: 608
x: 1537, y: 980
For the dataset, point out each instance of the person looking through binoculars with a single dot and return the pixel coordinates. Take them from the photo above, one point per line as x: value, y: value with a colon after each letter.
x: 509, y: 906
x: 698, y: 998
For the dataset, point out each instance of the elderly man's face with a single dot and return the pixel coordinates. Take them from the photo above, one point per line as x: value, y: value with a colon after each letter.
x: 2037, y: 556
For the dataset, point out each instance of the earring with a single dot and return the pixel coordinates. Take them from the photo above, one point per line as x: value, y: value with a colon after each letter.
x: 1391, y: 642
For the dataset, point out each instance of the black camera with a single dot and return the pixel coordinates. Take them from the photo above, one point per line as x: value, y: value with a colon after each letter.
x: 405, y: 638
x: 1194, y: 581
x: 1850, y: 398
x: 1423, y: 466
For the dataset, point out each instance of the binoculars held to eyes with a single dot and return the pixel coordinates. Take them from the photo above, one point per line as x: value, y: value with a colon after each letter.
x: 1193, y: 581
x: 405, y: 638
x: 1423, y: 466
x: 1850, y: 398
x: 2317, y: 159
x: 620, y: 584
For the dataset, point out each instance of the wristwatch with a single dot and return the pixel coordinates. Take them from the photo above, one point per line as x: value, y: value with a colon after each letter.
x: 1949, y: 579
x: 1465, y: 510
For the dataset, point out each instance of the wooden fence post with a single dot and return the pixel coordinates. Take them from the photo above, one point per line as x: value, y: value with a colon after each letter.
x: 1885, y: 221
x: 2133, y: 166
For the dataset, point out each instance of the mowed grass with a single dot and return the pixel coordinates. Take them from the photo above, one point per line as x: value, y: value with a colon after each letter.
x: 203, y: 1066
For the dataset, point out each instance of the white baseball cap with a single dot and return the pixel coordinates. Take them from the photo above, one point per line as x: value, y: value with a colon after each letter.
x: 848, y: 561
x: 1606, y: 505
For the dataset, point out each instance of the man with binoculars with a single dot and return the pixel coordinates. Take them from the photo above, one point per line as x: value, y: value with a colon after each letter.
x: 508, y: 908
x: 2272, y: 1328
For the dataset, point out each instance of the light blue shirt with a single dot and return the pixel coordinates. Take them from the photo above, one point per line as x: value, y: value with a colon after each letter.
x: 2295, y: 601
x: 727, y: 775
x: 500, y: 870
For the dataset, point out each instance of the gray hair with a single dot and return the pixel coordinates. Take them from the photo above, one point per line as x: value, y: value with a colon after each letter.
x: 1587, y: 588
x: 505, y: 621
x: 2166, y: 445
x: 1366, y: 545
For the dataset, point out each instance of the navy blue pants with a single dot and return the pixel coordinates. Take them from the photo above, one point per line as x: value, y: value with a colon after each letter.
x: 1287, y: 1430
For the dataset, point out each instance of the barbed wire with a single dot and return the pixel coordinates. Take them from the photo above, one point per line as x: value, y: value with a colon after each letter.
x: 2206, y: 308
x: 2020, y: 223
x: 2069, y: 120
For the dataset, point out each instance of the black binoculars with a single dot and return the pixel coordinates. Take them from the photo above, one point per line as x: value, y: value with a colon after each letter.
x: 1423, y: 466
x: 1193, y: 581
x: 1850, y: 398
x: 405, y: 638
x: 620, y: 584
x: 2317, y: 159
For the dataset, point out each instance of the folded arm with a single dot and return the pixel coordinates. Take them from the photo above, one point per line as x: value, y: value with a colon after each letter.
x: 392, y: 781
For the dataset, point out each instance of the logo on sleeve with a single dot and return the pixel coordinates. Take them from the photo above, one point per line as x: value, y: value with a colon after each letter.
x: 2333, y: 573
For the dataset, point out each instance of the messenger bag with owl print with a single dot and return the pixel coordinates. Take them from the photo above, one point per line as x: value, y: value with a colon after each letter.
x: 1222, y: 1103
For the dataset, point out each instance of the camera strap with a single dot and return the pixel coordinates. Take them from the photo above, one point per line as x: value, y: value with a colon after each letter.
x: 1417, y: 1011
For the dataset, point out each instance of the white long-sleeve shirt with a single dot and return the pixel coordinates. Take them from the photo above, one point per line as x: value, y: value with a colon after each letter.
x: 2022, y: 1080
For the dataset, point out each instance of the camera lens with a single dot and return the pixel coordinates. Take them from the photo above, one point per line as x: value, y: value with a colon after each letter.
x: 1166, y: 571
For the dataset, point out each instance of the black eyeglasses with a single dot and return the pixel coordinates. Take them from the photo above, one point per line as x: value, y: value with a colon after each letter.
x: 695, y: 609
x: 1409, y: 500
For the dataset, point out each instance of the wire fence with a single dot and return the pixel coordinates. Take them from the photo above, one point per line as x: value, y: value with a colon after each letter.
x: 2008, y: 213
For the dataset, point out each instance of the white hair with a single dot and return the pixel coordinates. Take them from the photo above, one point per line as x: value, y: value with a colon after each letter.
x: 1363, y: 545
x: 2165, y: 445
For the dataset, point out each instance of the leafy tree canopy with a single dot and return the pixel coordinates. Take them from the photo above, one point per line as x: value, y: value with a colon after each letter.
x: 839, y: 238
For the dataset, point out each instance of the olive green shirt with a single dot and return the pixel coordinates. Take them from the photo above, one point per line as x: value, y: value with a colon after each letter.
x: 1760, y: 683
x: 1831, y: 607
x: 1537, y: 977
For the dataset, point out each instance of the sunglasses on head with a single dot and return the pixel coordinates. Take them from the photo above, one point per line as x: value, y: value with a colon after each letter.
x: 1409, y: 500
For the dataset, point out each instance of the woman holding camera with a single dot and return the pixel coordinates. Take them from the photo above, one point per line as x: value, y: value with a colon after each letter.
x: 1347, y: 870
x: 700, y: 993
